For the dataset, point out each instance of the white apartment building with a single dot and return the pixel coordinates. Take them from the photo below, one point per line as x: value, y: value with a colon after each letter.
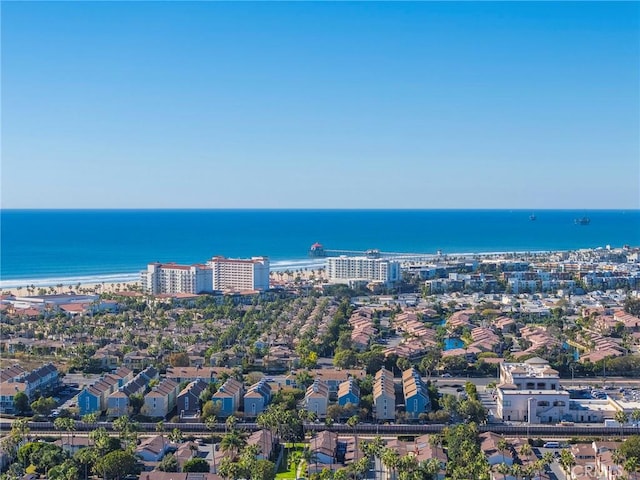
x: 530, y: 392
x: 347, y: 270
x: 239, y: 274
x: 174, y: 278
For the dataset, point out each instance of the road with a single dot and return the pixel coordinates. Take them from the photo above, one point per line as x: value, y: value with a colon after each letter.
x: 532, y: 431
x: 616, y: 382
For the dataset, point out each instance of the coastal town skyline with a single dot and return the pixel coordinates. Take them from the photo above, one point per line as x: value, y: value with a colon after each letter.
x: 320, y: 105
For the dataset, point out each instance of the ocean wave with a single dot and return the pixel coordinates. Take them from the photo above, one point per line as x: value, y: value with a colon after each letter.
x: 70, y: 280
x: 311, y: 263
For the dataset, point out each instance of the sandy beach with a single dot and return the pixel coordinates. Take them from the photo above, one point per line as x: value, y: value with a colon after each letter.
x: 277, y: 277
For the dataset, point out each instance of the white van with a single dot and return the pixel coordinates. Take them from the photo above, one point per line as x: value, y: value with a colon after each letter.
x: 552, y: 445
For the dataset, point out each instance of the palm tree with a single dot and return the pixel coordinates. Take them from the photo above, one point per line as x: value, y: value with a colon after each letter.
x: 210, y: 423
x: 373, y: 450
x: 528, y: 471
x: 617, y: 457
x: 176, y: 435
x: 567, y: 461
x: 548, y: 458
x: 525, y: 450
x: 503, y: 469
x: 430, y: 468
x: 502, y: 446
x: 67, y: 424
x: 390, y: 459
x: 353, y: 423
x: 232, y: 442
x: 631, y: 466
x: 515, y: 470
x: 230, y: 422
x: 635, y: 417
x: 622, y: 418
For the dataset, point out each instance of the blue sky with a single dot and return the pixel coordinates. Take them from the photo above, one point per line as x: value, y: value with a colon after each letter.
x: 320, y: 105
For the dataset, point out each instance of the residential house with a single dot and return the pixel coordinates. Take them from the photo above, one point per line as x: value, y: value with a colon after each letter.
x: 189, y: 398
x: 152, y: 449
x: 118, y: 401
x: 94, y: 398
x: 264, y: 439
x: 384, y: 397
x: 316, y: 398
x: 185, y: 452
x: 189, y: 374
x: 489, y: 445
x: 323, y: 447
x: 228, y: 397
x: 349, y: 393
x: 161, y: 399
x: 257, y: 398
x: 333, y: 378
x: 416, y: 394
x: 137, y: 360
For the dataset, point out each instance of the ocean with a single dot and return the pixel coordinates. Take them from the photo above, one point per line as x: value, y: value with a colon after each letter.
x: 48, y: 247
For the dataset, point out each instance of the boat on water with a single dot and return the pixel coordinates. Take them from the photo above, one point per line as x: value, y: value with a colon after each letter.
x: 532, y: 217
x: 582, y: 221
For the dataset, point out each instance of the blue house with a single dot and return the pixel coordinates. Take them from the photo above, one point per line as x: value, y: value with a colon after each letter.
x: 348, y: 392
x: 257, y: 398
x: 227, y: 398
x: 89, y: 400
x: 416, y: 395
x: 93, y: 398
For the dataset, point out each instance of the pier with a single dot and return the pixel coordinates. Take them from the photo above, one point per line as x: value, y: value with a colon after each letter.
x: 317, y: 250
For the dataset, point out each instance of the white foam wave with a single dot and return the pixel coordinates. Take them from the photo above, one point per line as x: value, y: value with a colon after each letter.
x: 312, y: 263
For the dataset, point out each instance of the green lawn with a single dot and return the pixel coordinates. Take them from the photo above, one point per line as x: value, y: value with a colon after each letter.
x: 290, y: 473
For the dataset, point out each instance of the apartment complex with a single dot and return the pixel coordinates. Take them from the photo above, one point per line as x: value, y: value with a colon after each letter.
x: 219, y: 273
x: 530, y: 392
x: 239, y: 274
x: 350, y: 270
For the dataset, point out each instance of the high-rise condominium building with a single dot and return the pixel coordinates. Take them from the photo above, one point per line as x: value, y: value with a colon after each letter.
x: 345, y: 269
x: 219, y: 273
x: 240, y: 274
x: 174, y: 278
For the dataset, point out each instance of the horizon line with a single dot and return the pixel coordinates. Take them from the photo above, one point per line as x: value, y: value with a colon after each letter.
x: 524, y: 209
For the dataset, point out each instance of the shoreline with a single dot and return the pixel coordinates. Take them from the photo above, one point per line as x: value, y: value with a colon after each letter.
x: 299, y: 264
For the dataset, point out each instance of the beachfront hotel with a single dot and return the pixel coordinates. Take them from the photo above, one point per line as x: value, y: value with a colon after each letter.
x: 219, y: 274
x: 239, y: 274
x: 172, y: 278
x: 351, y: 270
